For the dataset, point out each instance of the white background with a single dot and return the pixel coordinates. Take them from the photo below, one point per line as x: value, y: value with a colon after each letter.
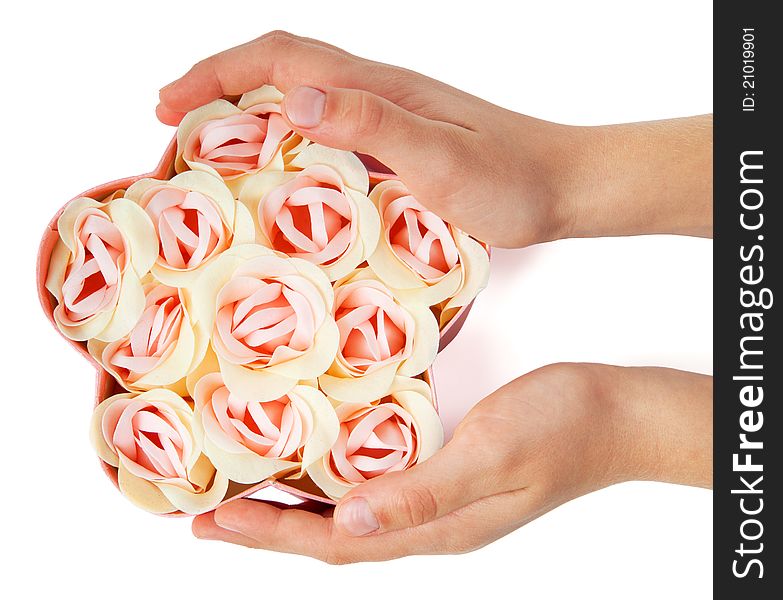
x: 79, y: 87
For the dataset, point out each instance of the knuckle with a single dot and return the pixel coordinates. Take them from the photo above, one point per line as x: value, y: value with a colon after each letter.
x: 277, y: 36
x: 414, y: 506
x: 454, y: 144
x: 336, y: 557
x: 279, y: 41
x: 460, y: 546
x: 206, y: 64
x: 368, y: 115
x: 397, y: 83
x: 452, y: 149
x: 333, y: 552
x: 212, y: 68
x: 469, y: 544
x: 459, y: 540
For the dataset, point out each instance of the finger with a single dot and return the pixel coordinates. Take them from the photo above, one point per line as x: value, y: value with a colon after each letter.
x: 167, y: 116
x: 277, y: 58
x: 298, y: 532
x: 285, y: 61
x: 358, y: 120
x: 205, y: 528
x: 463, y: 471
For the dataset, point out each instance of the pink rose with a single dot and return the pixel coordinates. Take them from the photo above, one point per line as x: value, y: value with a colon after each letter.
x: 96, y: 267
x: 163, y: 347
x: 237, y: 144
x: 249, y: 440
x: 393, y: 434
x: 380, y: 338
x: 422, y: 255
x: 321, y: 214
x: 195, y: 218
x: 231, y: 141
x: 270, y: 318
x: 149, y: 438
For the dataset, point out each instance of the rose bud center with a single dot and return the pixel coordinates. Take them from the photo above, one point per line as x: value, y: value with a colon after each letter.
x: 237, y: 144
x: 420, y: 238
x: 152, y: 338
x: 276, y: 429
x: 152, y: 440
x: 256, y: 317
x: 309, y: 218
x: 378, y: 440
x: 374, y: 329
x: 188, y: 224
x: 93, y: 276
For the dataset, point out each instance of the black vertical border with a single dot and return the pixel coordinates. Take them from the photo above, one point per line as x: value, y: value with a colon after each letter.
x: 736, y: 131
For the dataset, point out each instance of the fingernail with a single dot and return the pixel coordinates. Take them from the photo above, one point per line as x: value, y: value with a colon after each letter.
x: 356, y: 518
x: 304, y: 106
x: 167, y: 86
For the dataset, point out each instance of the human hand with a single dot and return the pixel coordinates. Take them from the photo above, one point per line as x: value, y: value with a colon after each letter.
x: 548, y: 437
x: 458, y: 154
x: 507, y: 179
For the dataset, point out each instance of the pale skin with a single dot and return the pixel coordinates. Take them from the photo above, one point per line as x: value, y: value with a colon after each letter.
x: 511, y: 180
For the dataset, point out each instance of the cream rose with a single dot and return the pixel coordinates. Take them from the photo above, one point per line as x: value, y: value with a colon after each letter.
x: 148, y: 437
x: 393, y: 434
x: 423, y: 256
x: 232, y: 141
x: 163, y: 347
x: 270, y: 318
x: 195, y: 218
x: 249, y: 441
x: 379, y: 338
x: 95, y: 270
x: 321, y: 213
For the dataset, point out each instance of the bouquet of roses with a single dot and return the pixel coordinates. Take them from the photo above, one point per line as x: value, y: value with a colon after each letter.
x: 265, y: 309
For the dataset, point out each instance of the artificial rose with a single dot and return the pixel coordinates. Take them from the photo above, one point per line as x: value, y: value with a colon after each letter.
x: 95, y: 270
x: 270, y: 318
x: 379, y: 338
x: 399, y: 431
x: 195, y: 218
x: 248, y: 440
x: 321, y: 213
x: 420, y: 254
x: 163, y: 347
x: 231, y: 141
x: 161, y: 467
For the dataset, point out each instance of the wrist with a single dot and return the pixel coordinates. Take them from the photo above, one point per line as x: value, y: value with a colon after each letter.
x: 618, y: 453
x: 661, y: 423
x: 569, y: 169
x: 601, y: 448
x: 581, y: 183
x: 541, y: 159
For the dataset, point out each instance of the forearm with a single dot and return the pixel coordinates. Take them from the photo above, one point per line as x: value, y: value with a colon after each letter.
x: 637, y: 178
x: 662, y: 423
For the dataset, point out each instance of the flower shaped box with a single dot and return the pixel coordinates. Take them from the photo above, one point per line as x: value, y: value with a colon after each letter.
x: 260, y: 310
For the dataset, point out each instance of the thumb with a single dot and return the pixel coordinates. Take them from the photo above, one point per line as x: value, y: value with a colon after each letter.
x: 350, y: 119
x: 457, y: 475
